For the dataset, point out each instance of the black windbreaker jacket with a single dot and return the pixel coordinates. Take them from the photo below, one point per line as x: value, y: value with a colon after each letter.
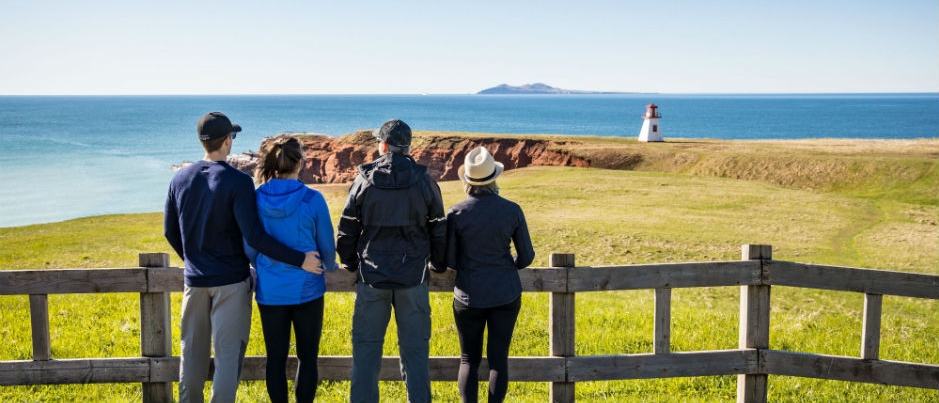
x: 393, y: 223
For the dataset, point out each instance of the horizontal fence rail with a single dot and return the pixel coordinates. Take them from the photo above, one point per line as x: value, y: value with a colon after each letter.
x: 569, y: 279
x: 752, y: 362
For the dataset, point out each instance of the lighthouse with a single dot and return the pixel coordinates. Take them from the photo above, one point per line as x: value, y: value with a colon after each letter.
x: 650, y: 125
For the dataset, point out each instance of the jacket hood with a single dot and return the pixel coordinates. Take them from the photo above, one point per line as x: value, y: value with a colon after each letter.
x: 392, y: 171
x: 278, y: 198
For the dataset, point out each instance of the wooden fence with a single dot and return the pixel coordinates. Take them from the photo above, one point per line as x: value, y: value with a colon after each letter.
x: 752, y: 362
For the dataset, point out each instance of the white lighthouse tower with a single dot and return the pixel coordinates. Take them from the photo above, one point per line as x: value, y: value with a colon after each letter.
x: 650, y: 125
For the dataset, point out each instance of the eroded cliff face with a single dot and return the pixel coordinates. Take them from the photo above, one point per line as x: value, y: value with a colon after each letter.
x: 334, y: 160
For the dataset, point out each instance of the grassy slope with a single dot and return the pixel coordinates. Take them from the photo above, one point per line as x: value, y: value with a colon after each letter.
x: 683, y: 202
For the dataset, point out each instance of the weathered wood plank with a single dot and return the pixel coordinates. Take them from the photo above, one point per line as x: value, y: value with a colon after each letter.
x: 754, y: 326
x: 170, y: 279
x: 68, y: 281
x: 155, y: 326
x: 562, y: 260
x: 562, y: 326
x: 153, y: 260
x: 756, y: 252
x: 672, y: 275
x: 662, y: 337
x: 870, y: 335
x: 676, y: 275
x: 164, y: 279
x: 644, y: 366
x: 752, y: 362
x: 164, y: 369
x: 157, y: 392
x: 89, y: 370
x: 342, y: 280
x: 851, y: 369
x: 533, y: 279
x: 852, y: 279
x: 521, y: 369
x: 339, y: 368
x: 155, y: 340
x: 533, y: 369
x: 540, y: 279
x: 754, y: 316
x: 752, y: 388
x: 39, y: 326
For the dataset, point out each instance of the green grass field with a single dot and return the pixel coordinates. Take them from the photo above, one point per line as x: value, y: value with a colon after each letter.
x: 885, y: 217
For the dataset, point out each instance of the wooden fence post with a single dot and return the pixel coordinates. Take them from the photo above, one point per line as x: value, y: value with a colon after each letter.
x: 39, y: 326
x: 155, y: 328
x: 754, y: 326
x: 562, y: 329
x: 870, y: 336
x: 661, y: 342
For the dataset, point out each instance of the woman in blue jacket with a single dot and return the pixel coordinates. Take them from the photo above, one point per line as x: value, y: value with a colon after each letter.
x: 287, y: 295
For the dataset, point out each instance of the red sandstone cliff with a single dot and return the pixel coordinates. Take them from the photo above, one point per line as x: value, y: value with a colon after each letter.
x: 334, y: 160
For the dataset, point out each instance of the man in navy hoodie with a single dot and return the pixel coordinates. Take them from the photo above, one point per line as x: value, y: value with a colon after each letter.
x: 210, y: 211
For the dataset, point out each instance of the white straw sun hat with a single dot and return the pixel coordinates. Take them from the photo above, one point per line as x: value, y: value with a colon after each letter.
x: 479, y: 168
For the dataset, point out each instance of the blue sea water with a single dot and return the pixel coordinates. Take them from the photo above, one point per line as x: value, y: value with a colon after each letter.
x: 73, y: 156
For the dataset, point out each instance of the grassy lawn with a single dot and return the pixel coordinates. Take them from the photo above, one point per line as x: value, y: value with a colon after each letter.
x: 881, y: 213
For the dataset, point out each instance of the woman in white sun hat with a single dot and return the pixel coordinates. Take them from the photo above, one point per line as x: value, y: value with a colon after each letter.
x: 488, y: 290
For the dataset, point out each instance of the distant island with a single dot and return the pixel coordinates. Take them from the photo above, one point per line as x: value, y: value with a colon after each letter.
x: 537, y: 88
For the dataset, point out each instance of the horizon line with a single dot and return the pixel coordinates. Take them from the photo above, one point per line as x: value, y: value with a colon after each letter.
x: 475, y: 93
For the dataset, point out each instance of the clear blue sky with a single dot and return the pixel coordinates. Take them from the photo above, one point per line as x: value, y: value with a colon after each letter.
x: 443, y: 47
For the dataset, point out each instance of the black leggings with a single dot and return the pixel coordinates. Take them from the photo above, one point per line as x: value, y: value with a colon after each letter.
x: 470, y: 325
x: 307, y: 320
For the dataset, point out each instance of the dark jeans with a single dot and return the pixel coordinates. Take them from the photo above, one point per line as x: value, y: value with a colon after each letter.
x: 307, y: 320
x: 470, y: 325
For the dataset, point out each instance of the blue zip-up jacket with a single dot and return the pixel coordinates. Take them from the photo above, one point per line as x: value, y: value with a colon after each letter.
x: 297, y: 216
x: 210, y: 214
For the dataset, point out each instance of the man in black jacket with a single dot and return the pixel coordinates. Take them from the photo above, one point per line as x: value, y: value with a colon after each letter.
x: 391, y: 231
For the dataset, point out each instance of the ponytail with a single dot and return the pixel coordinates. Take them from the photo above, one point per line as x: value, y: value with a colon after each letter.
x: 279, y: 156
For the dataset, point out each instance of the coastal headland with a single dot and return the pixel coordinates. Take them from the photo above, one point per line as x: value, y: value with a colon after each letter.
x: 334, y: 160
x: 852, y: 203
x: 820, y: 164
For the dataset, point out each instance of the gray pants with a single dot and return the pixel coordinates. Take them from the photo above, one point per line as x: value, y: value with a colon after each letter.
x: 223, y: 315
x: 369, y: 323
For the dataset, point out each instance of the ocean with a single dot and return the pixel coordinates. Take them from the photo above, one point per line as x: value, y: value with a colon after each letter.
x: 65, y: 157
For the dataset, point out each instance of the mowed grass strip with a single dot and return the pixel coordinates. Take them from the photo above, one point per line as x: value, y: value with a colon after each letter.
x: 605, y: 217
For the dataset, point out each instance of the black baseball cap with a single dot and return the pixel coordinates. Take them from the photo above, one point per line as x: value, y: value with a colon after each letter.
x: 215, y: 125
x: 394, y: 132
